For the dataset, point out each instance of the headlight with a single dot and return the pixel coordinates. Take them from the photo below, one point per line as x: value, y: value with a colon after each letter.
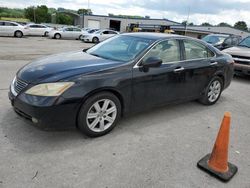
x: 49, y: 89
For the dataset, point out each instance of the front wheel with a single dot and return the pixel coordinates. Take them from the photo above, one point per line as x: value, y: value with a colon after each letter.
x: 212, y: 92
x: 57, y: 36
x: 99, y: 114
x: 95, y: 40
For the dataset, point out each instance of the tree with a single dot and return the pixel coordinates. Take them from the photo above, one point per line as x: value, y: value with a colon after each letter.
x: 38, y: 14
x: 62, y: 18
x: 186, y: 23
x: 206, y: 24
x: 84, y: 11
x: 223, y: 24
x: 241, y: 25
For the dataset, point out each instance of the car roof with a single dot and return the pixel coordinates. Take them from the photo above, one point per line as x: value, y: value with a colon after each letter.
x: 219, y: 35
x: 154, y: 36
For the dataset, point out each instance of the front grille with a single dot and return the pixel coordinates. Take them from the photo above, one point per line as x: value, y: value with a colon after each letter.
x: 19, y: 85
x: 241, y: 57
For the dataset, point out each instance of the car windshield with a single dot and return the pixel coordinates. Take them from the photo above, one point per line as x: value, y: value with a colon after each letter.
x: 245, y: 42
x: 213, y: 39
x: 120, y: 48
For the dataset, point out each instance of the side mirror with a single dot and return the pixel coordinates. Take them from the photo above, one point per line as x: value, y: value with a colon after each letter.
x: 151, y: 62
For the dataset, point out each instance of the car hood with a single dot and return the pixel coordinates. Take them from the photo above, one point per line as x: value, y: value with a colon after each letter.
x: 61, y: 66
x: 238, y: 51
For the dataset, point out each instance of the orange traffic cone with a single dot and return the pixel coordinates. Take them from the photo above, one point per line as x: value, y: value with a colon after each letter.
x: 216, y: 163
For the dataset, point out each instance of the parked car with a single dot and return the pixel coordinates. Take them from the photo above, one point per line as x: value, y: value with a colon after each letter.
x: 12, y: 29
x: 241, y: 56
x: 98, y: 36
x: 66, y: 33
x: 38, y: 29
x: 222, y: 41
x: 93, y: 88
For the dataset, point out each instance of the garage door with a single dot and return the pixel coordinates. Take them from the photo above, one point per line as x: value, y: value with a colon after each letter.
x: 94, y: 24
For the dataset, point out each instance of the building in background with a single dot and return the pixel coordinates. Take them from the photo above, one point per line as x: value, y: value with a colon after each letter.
x: 201, y: 31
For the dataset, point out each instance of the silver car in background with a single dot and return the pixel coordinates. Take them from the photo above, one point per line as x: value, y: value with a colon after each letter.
x: 38, y: 29
x: 13, y: 29
x: 98, y: 36
x: 66, y: 33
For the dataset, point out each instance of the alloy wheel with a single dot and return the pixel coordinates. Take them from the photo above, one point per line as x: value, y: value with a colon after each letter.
x: 101, y: 115
x: 214, y: 91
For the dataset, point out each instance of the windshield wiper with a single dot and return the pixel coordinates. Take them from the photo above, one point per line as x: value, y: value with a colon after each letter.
x: 95, y: 55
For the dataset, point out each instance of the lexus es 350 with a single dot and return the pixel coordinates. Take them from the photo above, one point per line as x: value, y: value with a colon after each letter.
x: 93, y: 88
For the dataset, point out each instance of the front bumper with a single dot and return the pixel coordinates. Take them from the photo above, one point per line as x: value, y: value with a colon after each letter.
x: 53, y: 117
x: 241, y: 68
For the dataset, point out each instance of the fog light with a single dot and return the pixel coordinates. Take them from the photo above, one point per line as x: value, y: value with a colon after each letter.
x: 34, y: 120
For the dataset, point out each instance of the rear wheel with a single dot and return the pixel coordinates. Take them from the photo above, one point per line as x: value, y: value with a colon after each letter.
x: 46, y: 33
x: 99, y: 114
x: 80, y: 37
x: 95, y: 40
x: 212, y: 92
x: 19, y: 34
x: 57, y: 36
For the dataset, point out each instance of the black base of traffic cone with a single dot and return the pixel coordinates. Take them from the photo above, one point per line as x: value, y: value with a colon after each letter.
x: 232, y: 169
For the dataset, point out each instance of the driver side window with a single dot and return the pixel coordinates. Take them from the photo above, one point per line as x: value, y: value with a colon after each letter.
x: 168, y: 51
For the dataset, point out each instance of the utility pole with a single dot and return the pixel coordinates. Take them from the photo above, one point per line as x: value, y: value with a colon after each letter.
x: 187, y: 21
x: 88, y: 4
x: 34, y: 13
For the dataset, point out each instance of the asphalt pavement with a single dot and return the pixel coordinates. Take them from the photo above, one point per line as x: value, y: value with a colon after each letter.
x: 156, y: 148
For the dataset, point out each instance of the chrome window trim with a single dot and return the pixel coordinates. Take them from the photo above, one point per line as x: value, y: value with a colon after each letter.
x: 154, y: 44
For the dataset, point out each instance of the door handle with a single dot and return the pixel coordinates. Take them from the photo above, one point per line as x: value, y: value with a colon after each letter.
x: 179, y: 69
x: 213, y: 63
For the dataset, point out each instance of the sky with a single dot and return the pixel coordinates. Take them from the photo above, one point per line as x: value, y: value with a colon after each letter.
x: 212, y: 11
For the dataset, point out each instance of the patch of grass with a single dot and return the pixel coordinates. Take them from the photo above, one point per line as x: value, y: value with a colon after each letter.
x: 15, y: 19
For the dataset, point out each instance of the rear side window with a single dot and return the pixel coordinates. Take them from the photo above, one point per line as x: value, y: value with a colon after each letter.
x: 196, y: 50
x: 1, y: 23
x: 69, y: 29
x: 10, y: 24
x: 112, y: 32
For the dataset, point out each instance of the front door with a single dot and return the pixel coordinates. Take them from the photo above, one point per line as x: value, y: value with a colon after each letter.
x: 160, y: 85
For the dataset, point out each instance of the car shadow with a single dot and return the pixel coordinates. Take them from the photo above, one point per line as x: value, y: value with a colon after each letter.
x: 30, y: 139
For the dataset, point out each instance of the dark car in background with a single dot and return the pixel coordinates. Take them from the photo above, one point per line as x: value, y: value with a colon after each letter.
x: 241, y: 56
x: 93, y: 88
x: 222, y: 41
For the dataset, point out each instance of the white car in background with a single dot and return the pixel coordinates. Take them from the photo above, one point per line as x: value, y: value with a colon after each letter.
x: 14, y: 29
x: 66, y: 33
x: 38, y: 29
x: 98, y: 36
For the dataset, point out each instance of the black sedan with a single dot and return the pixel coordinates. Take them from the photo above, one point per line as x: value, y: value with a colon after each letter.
x: 93, y: 88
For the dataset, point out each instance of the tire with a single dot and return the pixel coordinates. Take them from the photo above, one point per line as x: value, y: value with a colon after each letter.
x: 57, y: 36
x: 46, y: 34
x: 18, y: 34
x: 79, y: 38
x: 95, y: 40
x: 212, y: 92
x: 94, y: 119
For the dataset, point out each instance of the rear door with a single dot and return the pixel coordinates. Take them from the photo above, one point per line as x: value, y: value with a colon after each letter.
x: 199, y: 66
x: 10, y: 28
x: 77, y: 33
x: 68, y: 33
